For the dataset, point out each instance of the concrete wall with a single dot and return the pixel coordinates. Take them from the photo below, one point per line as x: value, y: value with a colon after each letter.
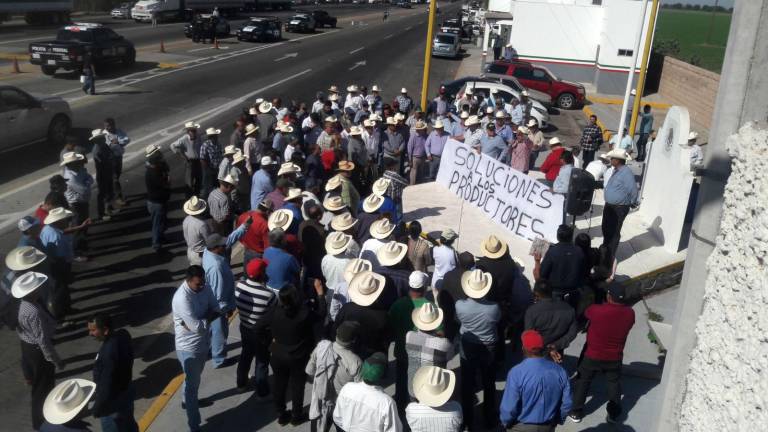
x: 690, y: 86
x: 620, y: 22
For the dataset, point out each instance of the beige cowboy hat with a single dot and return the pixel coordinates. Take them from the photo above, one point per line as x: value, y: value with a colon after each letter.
x: 293, y: 193
x: 253, y: 111
x: 365, y: 287
x: 399, y: 116
x: 288, y: 168
x: 333, y: 203
x: 418, y: 280
x: 346, y: 166
x: 343, y: 222
x: 693, y: 135
x: 433, y: 385
x: 464, y: 115
x: 500, y: 114
x: 532, y: 123
x: 230, y: 150
x: 191, y: 125
x: 333, y: 183
x: 229, y: 179
x: 493, y: 247
x: 356, y: 266
x: 24, y: 258
x: 238, y: 157
x: 67, y: 399
x: 381, y: 229
x: 286, y: 128
x: 420, y: 125
x: 26, y: 283
x: 151, y: 150
x: 71, y: 157
x: 333, y: 89
x: 375, y: 88
x: 391, y: 253
x: 357, y: 130
x: 554, y: 141
x: 372, y: 203
x: 391, y: 121
x: 337, y: 242
x: 476, y: 283
x: 57, y: 214
x: 428, y: 317
x: 258, y: 101
x: 251, y: 129
x: 265, y: 107
x: 195, y: 206
x: 280, y: 219
x: 353, y: 88
x: 333, y: 97
x: 381, y: 186
x: 267, y: 160
x: 212, y: 131
x: 489, y: 110
x: 403, y: 90
x: 438, y: 124
x: 367, y: 123
x: 472, y: 120
x: 617, y: 154
x: 95, y: 134
x: 374, y: 117
x: 523, y: 129
x: 331, y: 119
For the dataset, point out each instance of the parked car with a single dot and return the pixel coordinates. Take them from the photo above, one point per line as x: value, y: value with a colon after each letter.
x: 511, y: 81
x: 506, y: 93
x: 301, y: 23
x: 69, y: 48
x: 122, y: 12
x: 223, y: 28
x: 323, y: 19
x: 446, y: 45
x: 261, y: 29
x: 405, y: 4
x: 25, y: 118
x: 566, y: 94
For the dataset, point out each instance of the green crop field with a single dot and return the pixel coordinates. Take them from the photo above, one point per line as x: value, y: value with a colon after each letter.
x: 691, y: 29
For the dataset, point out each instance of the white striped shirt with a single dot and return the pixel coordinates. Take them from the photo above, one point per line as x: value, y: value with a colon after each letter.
x: 422, y: 418
x: 253, y: 300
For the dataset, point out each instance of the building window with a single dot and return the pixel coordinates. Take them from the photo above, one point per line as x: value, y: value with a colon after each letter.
x: 626, y: 52
x: 597, y: 2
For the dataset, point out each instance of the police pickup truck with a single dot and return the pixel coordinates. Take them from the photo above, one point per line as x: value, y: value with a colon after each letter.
x: 77, y: 40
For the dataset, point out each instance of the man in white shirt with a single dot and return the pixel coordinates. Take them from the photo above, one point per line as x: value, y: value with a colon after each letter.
x: 563, y: 180
x: 364, y: 406
x: 434, y: 411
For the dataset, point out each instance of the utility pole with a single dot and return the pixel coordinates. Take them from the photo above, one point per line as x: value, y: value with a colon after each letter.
x: 712, y: 23
x: 631, y: 76
x: 640, y: 88
x: 428, y: 55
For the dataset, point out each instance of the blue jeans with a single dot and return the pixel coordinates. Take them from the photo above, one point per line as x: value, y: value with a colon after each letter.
x: 192, y: 364
x: 90, y: 84
x: 157, y: 212
x: 255, y: 347
x: 121, y: 420
x: 219, y: 334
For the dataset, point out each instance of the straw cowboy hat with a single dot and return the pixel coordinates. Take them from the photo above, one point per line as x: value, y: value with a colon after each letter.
x: 265, y: 107
x: 24, y: 258
x: 367, y: 123
x: 433, y: 385
x: 71, y: 157
x: 238, y: 157
x: 337, y: 242
x: 212, y: 131
x: 438, y: 124
x: 391, y: 121
x: 403, y: 90
x: 391, y: 253
x: 230, y: 150
x: 251, y: 129
x: 493, y: 247
x: 352, y: 88
x: 464, y: 115
x: 372, y: 203
x: 523, y: 129
x: 374, y: 117
x: 472, y: 120
x: 365, y: 287
x: 489, y: 110
x: 333, y: 89
x: 428, y: 317
x: 420, y: 125
x: 67, y: 399
x: 293, y: 193
x: 333, y: 97
x: 399, y: 116
x: 195, y: 206
x: 357, y: 130
x: 375, y: 88
x: 356, y: 266
x: 57, y: 214
x: 617, y: 154
x: 333, y: 203
x: 532, y: 123
x: 554, y: 142
x: 343, y: 222
x: 333, y: 183
x: 381, y: 229
x: 286, y: 128
x: 253, y: 111
x: 280, y: 219
x: 95, y: 134
x: 346, y: 166
x: 288, y: 168
x: 258, y: 101
x: 191, y: 125
x: 500, y: 115
x: 229, y: 179
x: 693, y: 135
x: 26, y: 283
x: 381, y: 186
x: 476, y: 283
x: 151, y: 150
x: 331, y: 119
x: 266, y: 160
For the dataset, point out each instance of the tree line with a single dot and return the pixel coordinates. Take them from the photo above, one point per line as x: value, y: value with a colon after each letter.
x: 697, y: 7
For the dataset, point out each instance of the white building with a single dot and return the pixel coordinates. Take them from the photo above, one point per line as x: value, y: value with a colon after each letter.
x: 588, y: 41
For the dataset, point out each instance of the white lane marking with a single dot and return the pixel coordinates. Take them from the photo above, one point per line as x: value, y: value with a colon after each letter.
x: 287, y: 56
x: 25, y: 40
x: 408, y: 28
x: 161, y: 136
x: 388, y: 36
x: 357, y: 50
x: 208, y: 48
x: 357, y: 65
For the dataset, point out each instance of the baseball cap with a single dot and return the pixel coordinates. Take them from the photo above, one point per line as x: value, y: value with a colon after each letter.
x: 374, y: 367
x: 617, y: 291
x: 532, y: 340
x: 27, y: 222
x: 256, y: 268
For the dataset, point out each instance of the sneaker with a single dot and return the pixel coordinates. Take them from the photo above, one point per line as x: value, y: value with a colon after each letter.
x: 575, y: 418
x: 284, y: 418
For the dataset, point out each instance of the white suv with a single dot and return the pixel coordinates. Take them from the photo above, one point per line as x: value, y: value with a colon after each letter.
x: 538, y: 111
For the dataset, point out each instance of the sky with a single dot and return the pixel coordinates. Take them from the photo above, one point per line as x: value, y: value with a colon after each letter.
x: 723, y: 3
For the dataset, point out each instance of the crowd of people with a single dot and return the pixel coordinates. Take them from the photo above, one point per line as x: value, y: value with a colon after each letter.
x: 334, y: 274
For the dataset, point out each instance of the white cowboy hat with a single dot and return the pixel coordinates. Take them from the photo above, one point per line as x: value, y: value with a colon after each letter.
x: 57, y: 214
x: 500, y: 115
x: 356, y: 130
x: 471, y: 120
x: 428, y: 317
x: 151, y: 150
x: 391, y: 121
x: 374, y: 117
x: 26, y: 283
x: 343, y: 222
x: 617, y: 154
x: 438, y: 124
x: 258, y: 101
x: 493, y: 247
x: 365, y: 287
x: 333, y: 183
x: 333, y: 97
x: 399, y: 116
x: 280, y: 219
x: 253, y: 111
x: 229, y: 179
x: 420, y: 125
x: 288, y: 168
x: 555, y: 141
x: 532, y: 123
x: 191, y: 125
x: 476, y: 283
x: 251, y: 129
x: 230, y: 150
x: 333, y: 89
x: 375, y: 88
x: 238, y: 157
x: 212, y: 131
x: 293, y: 193
x: 265, y: 107
x: 67, y: 399
x: 524, y: 93
x: 337, y: 242
x: 352, y: 88
x: 403, y: 90
x: 346, y: 166
x: 286, y: 128
x: 195, y: 206
x: 95, y: 134
x: 70, y: 157
x: 381, y: 186
x: 464, y: 115
x: 368, y: 123
x: 372, y: 203
x: 24, y: 258
x: 333, y: 203
x: 693, y: 135
x: 356, y: 266
x: 489, y: 110
x: 391, y: 253
x: 523, y: 129
x: 633, y: 92
x: 418, y: 280
x: 433, y: 385
x: 267, y: 160
x: 381, y: 229
x: 331, y: 119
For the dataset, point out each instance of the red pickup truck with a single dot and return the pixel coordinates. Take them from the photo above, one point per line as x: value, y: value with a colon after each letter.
x: 565, y: 94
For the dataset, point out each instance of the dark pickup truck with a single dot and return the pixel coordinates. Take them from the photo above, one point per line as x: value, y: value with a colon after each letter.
x: 322, y: 19
x: 72, y: 44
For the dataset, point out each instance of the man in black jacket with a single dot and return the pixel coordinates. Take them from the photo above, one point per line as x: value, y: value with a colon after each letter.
x: 158, y: 182
x: 112, y: 372
x: 553, y: 318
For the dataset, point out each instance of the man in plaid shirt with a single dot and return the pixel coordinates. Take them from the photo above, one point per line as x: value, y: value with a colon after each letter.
x: 210, y: 159
x: 591, y: 139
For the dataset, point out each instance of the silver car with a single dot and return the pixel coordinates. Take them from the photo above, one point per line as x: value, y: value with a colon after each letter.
x: 26, y: 119
x: 446, y: 45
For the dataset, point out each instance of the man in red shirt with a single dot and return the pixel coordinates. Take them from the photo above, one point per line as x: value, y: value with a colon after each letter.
x: 256, y: 239
x: 609, y: 326
x: 552, y: 164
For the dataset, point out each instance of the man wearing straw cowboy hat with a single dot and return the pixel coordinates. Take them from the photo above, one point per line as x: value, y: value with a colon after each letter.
x: 188, y: 147
x: 78, y: 194
x: 252, y: 148
x: 364, y: 290
x: 64, y: 405
x: 262, y: 182
x: 57, y: 246
x: 36, y: 328
x: 158, y: 181
x: 620, y: 193
x: 195, y: 228
x: 267, y: 122
x: 104, y: 164
x: 433, y: 387
x: 427, y: 345
x: 220, y: 205
x: 210, y: 158
x: 346, y: 189
x: 434, y: 146
x: 417, y: 151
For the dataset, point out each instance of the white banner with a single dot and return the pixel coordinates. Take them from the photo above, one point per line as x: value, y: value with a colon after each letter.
x: 526, y: 207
